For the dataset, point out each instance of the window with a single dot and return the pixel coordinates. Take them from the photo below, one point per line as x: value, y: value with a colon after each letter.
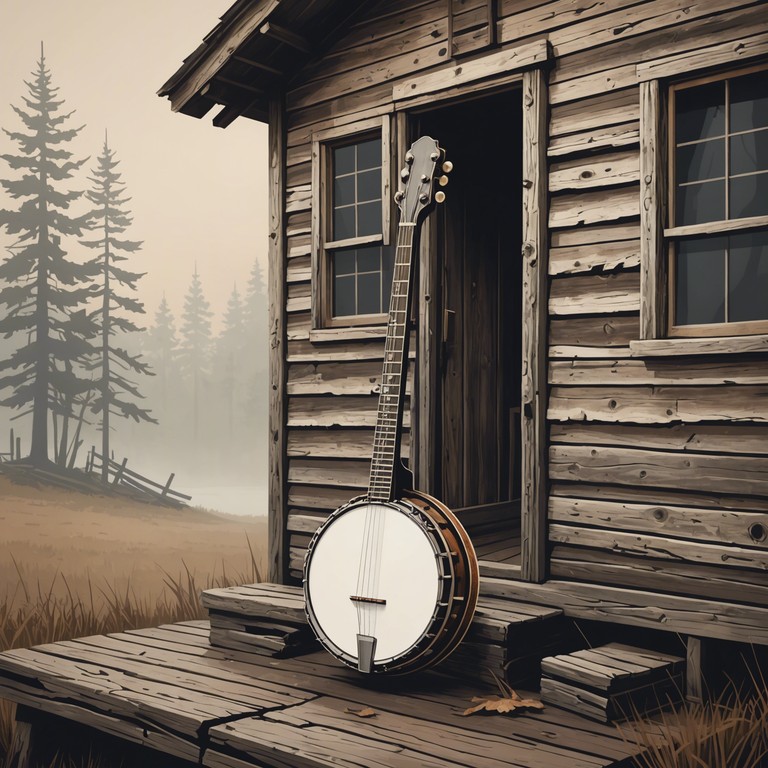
x: 718, y: 205
x: 353, y: 255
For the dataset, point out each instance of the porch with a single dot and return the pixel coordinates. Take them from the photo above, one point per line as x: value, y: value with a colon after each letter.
x: 165, y: 696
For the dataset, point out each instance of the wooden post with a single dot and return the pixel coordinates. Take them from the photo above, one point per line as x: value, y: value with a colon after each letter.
x: 167, y: 486
x: 694, y: 676
x: 12, y: 444
x: 277, y: 566
x: 18, y: 447
x: 119, y: 473
x: 653, y: 284
x: 533, y: 491
x: 20, y: 751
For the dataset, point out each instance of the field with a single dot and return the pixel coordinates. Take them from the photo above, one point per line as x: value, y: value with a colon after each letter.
x: 73, y: 564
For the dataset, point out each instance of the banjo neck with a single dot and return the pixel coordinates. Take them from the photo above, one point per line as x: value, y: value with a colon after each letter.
x: 389, y: 418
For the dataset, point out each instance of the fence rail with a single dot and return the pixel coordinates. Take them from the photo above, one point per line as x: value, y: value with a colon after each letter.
x: 119, y: 474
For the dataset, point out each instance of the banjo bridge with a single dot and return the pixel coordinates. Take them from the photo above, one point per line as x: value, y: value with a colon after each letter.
x: 374, y: 600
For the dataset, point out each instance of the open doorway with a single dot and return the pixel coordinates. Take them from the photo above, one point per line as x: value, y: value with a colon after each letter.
x: 475, y: 240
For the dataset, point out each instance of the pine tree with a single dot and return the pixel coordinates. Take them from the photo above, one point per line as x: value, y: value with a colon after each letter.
x: 43, y: 287
x: 116, y: 394
x: 163, y: 351
x: 195, y: 344
x: 229, y: 357
x: 256, y: 335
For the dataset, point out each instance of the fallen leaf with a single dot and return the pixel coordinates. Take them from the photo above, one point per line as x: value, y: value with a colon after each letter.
x: 502, y: 704
x: 364, y: 712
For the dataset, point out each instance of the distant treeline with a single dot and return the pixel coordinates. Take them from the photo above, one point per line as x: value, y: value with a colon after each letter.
x: 75, y: 354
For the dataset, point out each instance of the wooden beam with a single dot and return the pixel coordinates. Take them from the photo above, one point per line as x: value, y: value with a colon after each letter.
x: 653, y: 284
x: 653, y: 610
x: 277, y: 568
x: 220, y: 53
x: 258, y: 65
x: 534, y: 381
x: 694, y: 676
x: 287, y: 36
x: 231, y: 112
x: 238, y: 84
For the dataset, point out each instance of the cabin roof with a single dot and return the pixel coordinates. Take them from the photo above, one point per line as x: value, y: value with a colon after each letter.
x: 256, y: 47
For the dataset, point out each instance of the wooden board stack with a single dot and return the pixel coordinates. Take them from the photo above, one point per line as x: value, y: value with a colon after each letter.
x: 612, y: 682
x: 259, y: 618
x: 508, y: 639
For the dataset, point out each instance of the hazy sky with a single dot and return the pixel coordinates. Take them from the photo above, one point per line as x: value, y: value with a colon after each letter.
x: 198, y: 193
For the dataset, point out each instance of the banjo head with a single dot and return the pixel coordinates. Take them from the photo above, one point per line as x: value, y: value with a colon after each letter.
x: 378, y: 570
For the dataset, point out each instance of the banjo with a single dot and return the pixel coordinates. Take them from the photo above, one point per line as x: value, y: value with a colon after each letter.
x: 391, y: 578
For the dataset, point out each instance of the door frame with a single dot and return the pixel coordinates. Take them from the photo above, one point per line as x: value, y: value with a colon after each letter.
x: 534, y: 251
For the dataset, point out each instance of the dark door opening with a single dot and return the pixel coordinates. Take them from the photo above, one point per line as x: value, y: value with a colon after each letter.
x: 477, y: 236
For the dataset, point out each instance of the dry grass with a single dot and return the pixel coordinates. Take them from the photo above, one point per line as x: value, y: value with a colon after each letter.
x: 730, y: 731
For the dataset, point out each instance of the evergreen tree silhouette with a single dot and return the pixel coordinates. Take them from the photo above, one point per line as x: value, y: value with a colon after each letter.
x: 229, y: 357
x: 163, y: 351
x: 256, y: 357
x: 195, y: 348
x: 43, y: 287
x: 116, y: 393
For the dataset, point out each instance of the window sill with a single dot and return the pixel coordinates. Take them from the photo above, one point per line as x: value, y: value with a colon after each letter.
x: 715, y: 345
x: 349, y: 333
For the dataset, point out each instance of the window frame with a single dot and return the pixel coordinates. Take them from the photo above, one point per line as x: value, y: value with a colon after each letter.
x: 323, y: 143
x: 672, y: 233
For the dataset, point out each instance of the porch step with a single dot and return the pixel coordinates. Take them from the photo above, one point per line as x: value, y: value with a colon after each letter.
x: 506, y: 638
x: 267, y: 619
x: 612, y: 682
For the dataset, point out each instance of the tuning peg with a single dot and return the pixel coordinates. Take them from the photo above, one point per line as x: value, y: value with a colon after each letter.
x: 405, y: 173
x: 409, y: 157
x: 443, y: 180
x: 440, y: 196
x: 447, y: 166
x: 399, y: 195
x: 424, y: 198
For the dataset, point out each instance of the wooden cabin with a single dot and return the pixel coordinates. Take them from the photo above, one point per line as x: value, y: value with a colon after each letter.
x: 589, y: 377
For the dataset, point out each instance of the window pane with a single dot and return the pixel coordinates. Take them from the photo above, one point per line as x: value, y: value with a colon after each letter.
x: 369, y: 294
x: 344, y: 191
x: 369, y: 259
x: 700, y: 281
x: 344, y: 262
x: 749, y: 101
x: 700, y: 202
x: 344, y: 223
x: 696, y: 162
x: 369, y: 154
x: 369, y: 185
x: 344, y: 296
x: 749, y: 152
x: 748, y: 277
x: 344, y: 160
x: 749, y: 196
x: 369, y: 218
x: 700, y: 112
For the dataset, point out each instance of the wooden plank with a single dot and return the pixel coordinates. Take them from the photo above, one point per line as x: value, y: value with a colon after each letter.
x: 639, y: 608
x: 344, y: 472
x: 616, y: 331
x: 694, y: 673
x: 315, y: 498
x: 572, y: 210
x: 653, y: 284
x: 595, y: 112
x: 659, y: 405
x: 705, y: 346
x: 711, y: 525
x: 570, y: 260
x: 710, y: 582
x: 534, y: 331
x: 345, y: 378
x: 665, y: 371
x: 699, y: 438
x: 601, y: 233
x: 731, y: 52
x: 336, y: 443
x: 627, y: 466
x: 595, y: 294
x: 304, y: 523
x: 502, y: 62
x: 605, y: 170
x: 612, y: 137
x: 658, y: 547
x: 339, y: 411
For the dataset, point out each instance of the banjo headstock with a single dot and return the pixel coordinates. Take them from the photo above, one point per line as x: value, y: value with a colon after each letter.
x: 418, y: 177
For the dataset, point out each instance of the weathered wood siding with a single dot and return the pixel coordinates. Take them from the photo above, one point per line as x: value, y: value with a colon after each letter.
x: 658, y: 469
